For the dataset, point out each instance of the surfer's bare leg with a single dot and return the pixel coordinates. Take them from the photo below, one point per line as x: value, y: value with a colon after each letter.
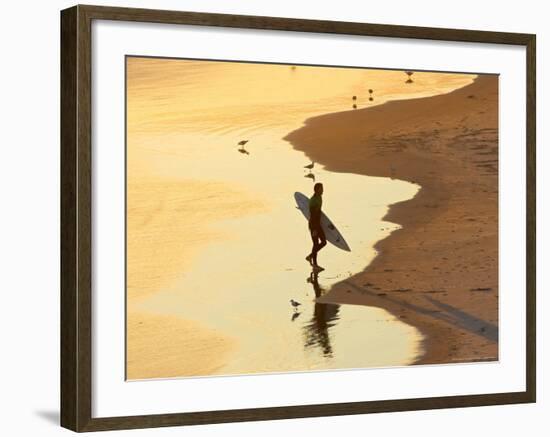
x: 319, y: 241
x: 312, y: 257
x: 323, y: 239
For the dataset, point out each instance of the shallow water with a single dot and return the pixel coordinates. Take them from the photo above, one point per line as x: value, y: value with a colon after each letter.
x: 214, y: 235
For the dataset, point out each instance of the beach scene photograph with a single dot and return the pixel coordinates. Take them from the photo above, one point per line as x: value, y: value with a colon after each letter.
x: 297, y: 218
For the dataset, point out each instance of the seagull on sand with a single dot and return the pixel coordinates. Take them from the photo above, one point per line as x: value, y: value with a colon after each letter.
x: 295, y: 304
x: 242, y: 143
x: 310, y: 166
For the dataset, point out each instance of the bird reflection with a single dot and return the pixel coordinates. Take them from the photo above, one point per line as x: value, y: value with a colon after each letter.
x: 310, y: 176
x: 324, y: 317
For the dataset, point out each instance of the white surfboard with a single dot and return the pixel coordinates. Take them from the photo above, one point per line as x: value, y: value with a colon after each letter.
x: 331, y: 232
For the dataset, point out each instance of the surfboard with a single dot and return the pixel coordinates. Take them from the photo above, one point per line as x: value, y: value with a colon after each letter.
x: 331, y: 231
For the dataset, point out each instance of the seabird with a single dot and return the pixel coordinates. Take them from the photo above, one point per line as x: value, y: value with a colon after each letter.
x: 242, y: 149
x: 295, y: 304
x: 310, y: 166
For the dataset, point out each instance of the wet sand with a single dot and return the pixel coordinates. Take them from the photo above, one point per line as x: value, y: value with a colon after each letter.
x: 164, y: 338
x: 439, y: 272
x: 159, y: 213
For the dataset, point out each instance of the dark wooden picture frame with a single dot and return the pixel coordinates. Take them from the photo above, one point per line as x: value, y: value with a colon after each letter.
x: 76, y: 217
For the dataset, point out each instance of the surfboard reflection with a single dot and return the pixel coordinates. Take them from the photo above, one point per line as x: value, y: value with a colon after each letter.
x: 325, y: 316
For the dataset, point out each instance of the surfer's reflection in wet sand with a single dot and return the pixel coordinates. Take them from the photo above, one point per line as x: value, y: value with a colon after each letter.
x: 316, y: 230
x: 324, y: 317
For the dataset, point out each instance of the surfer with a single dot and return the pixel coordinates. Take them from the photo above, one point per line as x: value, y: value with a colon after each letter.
x: 317, y: 234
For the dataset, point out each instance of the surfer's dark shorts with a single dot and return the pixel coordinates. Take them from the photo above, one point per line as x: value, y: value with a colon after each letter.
x: 319, y: 233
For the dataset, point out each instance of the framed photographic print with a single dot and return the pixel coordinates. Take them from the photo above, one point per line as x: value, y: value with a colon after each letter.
x: 267, y: 218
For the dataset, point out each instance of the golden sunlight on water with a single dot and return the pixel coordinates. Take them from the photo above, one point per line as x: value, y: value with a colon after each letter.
x: 216, y: 245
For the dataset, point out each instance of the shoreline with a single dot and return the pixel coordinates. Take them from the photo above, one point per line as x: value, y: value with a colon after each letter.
x: 439, y: 272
